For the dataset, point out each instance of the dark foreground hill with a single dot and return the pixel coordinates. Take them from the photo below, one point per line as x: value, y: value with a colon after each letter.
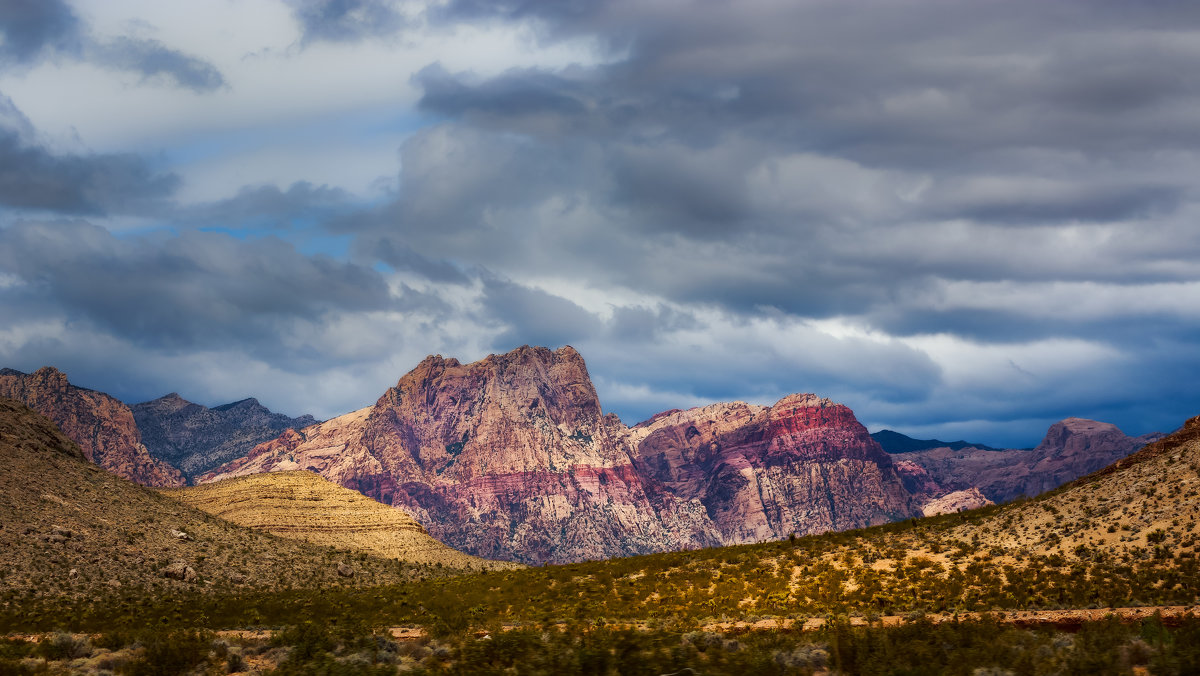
x: 68, y: 527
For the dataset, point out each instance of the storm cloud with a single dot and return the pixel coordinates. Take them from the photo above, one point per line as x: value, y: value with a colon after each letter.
x: 34, y: 30
x: 961, y: 219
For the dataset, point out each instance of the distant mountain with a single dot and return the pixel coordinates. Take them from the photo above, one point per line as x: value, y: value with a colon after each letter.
x: 305, y: 506
x: 68, y: 527
x: 511, y: 457
x: 894, y: 442
x: 196, y: 438
x: 103, y: 427
x: 1071, y: 448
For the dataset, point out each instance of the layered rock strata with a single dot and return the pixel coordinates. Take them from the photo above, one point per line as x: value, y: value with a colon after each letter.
x: 103, y: 427
x: 804, y: 465
x: 305, y: 506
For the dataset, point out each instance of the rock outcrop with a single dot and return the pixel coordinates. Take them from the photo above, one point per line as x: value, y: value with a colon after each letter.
x: 1071, y: 449
x: 196, y: 438
x: 103, y: 427
x: 512, y: 458
x: 957, y: 501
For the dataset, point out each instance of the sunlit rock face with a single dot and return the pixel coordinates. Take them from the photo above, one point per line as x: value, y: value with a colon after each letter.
x: 511, y: 457
x: 102, y: 426
x: 804, y: 465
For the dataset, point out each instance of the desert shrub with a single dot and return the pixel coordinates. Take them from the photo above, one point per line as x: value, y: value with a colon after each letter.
x: 168, y: 653
x: 63, y: 646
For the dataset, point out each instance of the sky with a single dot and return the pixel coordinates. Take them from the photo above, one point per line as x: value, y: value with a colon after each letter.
x: 961, y: 219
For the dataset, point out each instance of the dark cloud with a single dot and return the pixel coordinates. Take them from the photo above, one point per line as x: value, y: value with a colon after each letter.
x: 195, y: 291
x: 154, y: 60
x: 37, y: 29
x: 31, y: 28
x: 346, y: 20
x: 535, y: 317
x: 268, y: 207
x: 32, y: 177
x: 516, y: 93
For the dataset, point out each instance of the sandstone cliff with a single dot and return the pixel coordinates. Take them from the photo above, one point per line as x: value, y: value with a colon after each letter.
x: 196, y: 438
x: 1071, y: 448
x: 103, y: 427
x: 511, y: 457
x: 804, y: 465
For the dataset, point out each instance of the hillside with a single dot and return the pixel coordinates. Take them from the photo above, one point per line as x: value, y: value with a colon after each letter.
x: 102, y: 426
x: 1123, y: 537
x: 304, y: 506
x: 68, y: 527
x: 195, y: 438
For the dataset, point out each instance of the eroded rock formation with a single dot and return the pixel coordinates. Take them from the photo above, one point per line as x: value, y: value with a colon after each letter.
x: 511, y: 457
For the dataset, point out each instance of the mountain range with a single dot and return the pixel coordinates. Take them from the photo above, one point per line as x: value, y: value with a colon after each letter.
x: 196, y: 438
x: 512, y: 458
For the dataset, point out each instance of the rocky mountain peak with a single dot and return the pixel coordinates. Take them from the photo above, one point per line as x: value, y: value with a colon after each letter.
x: 49, y: 377
x: 511, y: 457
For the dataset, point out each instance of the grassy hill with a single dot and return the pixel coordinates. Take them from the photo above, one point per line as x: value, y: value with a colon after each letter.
x: 304, y: 506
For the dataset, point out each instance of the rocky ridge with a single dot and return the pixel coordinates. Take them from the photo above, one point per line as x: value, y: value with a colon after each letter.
x: 804, y: 465
x: 195, y: 438
x: 103, y: 427
x: 511, y: 457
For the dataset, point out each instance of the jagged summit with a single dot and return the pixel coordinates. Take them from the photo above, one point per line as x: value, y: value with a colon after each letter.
x: 249, y: 402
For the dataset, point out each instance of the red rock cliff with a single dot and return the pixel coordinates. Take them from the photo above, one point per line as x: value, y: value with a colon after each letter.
x: 804, y: 465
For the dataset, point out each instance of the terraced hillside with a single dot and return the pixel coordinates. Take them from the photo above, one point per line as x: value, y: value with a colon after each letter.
x: 304, y: 506
x: 70, y: 528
